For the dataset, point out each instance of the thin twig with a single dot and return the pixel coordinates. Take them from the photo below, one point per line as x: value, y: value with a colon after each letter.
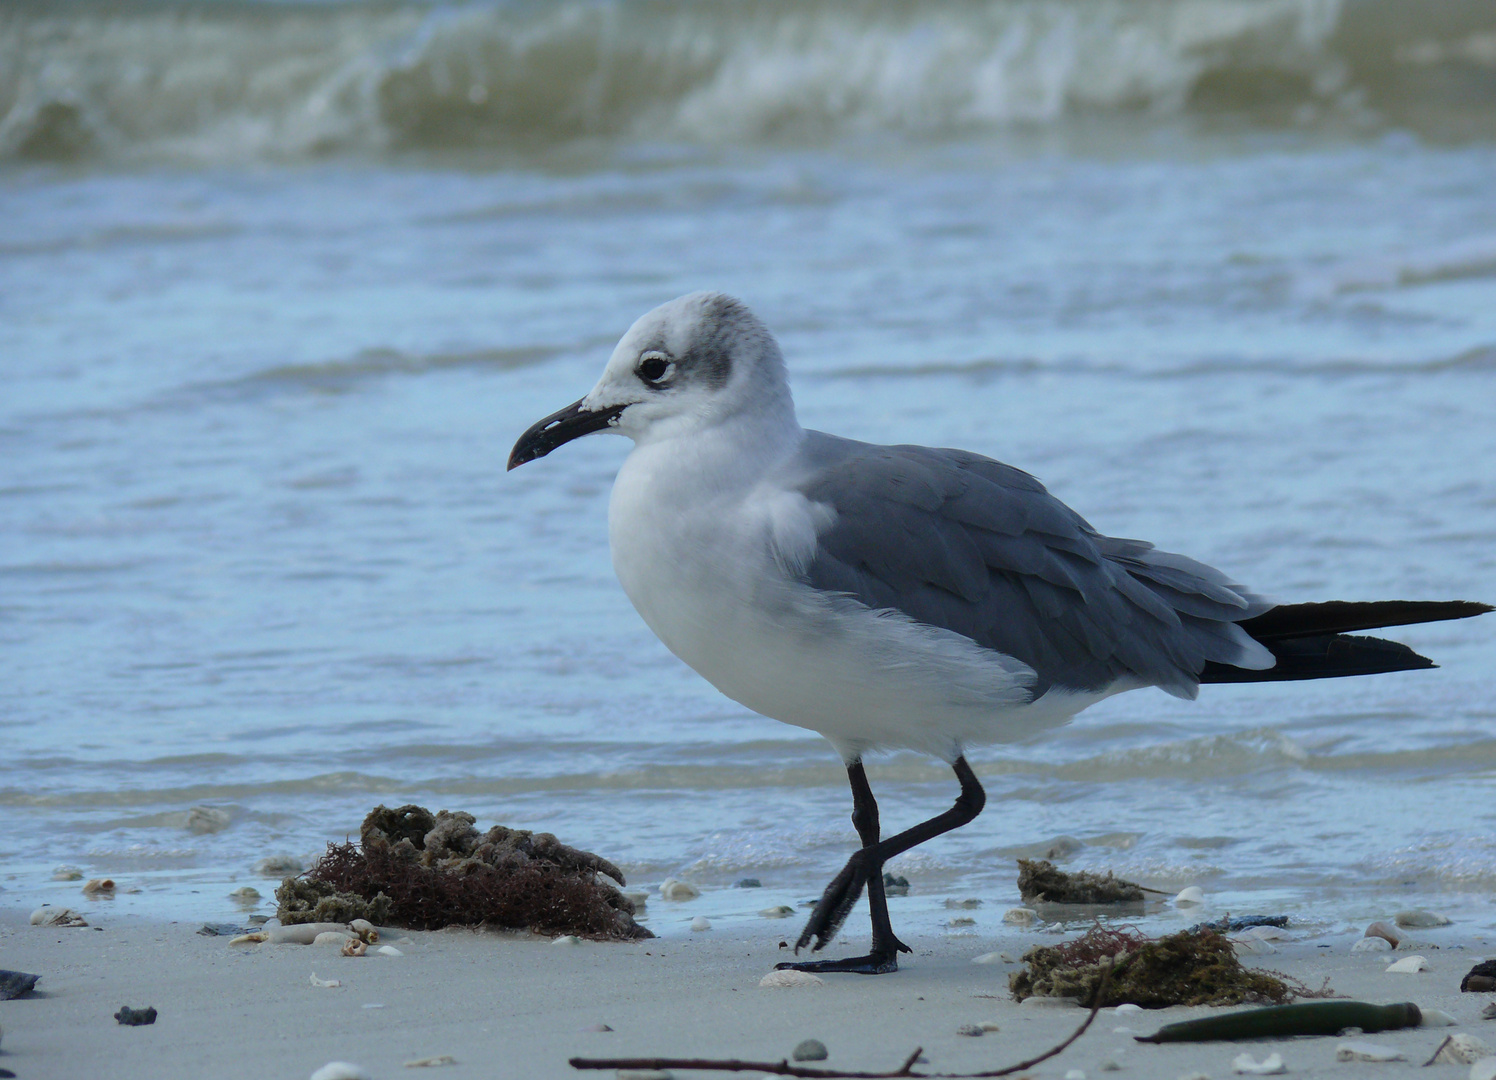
x: 1438, y: 1050
x: 784, y: 1068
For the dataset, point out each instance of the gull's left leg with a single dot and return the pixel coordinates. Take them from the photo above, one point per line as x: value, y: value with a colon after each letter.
x: 865, y: 869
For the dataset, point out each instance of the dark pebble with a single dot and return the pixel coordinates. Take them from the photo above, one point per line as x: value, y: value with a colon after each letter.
x: 894, y: 885
x: 810, y: 1050
x: 14, y: 984
x: 7, y: 1074
x: 1481, y: 978
x: 749, y: 883
x: 136, y: 1017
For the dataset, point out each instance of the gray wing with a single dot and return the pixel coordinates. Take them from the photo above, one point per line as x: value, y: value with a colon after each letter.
x: 960, y: 541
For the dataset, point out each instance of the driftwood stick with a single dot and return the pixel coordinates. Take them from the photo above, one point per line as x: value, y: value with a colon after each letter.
x: 782, y: 1067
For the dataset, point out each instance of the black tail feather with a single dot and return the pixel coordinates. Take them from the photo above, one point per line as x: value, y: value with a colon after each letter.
x: 1311, y: 640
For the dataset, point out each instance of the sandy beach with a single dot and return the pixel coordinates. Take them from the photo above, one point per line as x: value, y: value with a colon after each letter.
x: 515, y: 1006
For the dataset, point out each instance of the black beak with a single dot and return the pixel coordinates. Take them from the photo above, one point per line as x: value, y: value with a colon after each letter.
x: 558, y: 428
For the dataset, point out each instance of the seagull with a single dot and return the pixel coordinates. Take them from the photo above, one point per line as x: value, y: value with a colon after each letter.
x: 902, y: 597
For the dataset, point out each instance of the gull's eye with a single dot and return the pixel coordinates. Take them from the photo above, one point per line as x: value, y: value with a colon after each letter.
x: 653, y: 368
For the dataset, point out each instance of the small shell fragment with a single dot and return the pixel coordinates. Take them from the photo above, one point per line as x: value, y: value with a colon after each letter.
x: 1191, y: 894
x: 365, y: 930
x: 1435, y: 1018
x: 340, y: 1070
x: 789, y: 978
x: 1372, y: 944
x: 1020, y: 916
x: 99, y: 886
x: 388, y: 950
x: 1386, y: 931
x: 988, y: 958
x: 250, y: 939
x: 1408, y: 965
x: 1419, y: 919
x: 1462, y: 1050
x: 325, y: 984
x: 1272, y: 1065
x: 51, y: 916
x: 354, y: 947
x: 1366, y: 1051
x: 567, y: 940
x: 701, y: 922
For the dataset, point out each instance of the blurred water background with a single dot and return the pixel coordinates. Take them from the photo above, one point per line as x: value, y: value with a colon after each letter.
x: 281, y: 283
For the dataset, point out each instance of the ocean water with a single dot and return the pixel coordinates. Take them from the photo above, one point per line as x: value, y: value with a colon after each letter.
x: 280, y: 285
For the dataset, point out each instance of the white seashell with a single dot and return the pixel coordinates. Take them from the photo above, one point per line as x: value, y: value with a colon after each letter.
x: 51, y: 916
x: 99, y: 885
x: 1408, y: 965
x: 567, y: 939
x: 1020, y: 916
x: 1191, y: 894
x: 250, y: 939
x: 1462, y: 1050
x: 341, y: 1070
x: 335, y: 938
x: 427, y: 1063
x: 671, y: 889
x: 779, y: 911
x: 789, y: 978
x: 1272, y: 1065
x: 1484, y: 1069
x: 1418, y: 919
x: 1436, y: 1018
x: 372, y: 1005
x: 988, y: 958
x: 246, y: 892
x: 365, y: 930
x: 1372, y: 944
x: 1366, y: 1051
x: 325, y: 984
x: 388, y: 950
x: 354, y: 947
x: 1385, y: 930
x: 1128, y: 1007
x: 701, y: 922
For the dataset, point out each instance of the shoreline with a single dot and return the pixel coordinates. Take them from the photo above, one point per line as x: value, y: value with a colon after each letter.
x: 516, y: 1005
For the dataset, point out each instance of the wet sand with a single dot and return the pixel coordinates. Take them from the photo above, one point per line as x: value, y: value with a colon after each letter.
x: 516, y: 1006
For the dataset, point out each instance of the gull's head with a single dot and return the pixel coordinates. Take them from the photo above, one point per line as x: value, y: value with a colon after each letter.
x: 692, y: 363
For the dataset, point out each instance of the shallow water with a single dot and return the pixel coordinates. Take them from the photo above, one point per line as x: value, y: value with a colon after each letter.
x: 258, y: 550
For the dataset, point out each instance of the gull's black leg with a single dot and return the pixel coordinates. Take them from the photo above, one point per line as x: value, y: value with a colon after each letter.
x: 865, y: 870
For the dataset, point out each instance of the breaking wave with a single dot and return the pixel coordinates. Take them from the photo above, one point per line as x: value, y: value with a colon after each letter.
x: 244, y: 79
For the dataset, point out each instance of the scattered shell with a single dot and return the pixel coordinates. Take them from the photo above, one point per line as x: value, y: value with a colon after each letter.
x: 966, y: 902
x: 1418, y: 919
x: 1192, y: 894
x: 970, y: 1029
x: 671, y: 889
x: 207, y: 819
x: 388, y: 950
x: 250, y: 939
x: 1435, y: 1018
x: 701, y: 922
x: 354, y: 947
x: 1272, y: 1065
x: 335, y: 938
x: 340, y: 1070
x: 779, y: 911
x: 431, y: 1062
x: 1372, y: 944
x: 278, y: 866
x: 245, y: 892
x: 1385, y: 930
x: 1366, y: 1051
x: 98, y: 886
x: 365, y: 930
x: 566, y: 940
x: 325, y: 984
x: 1408, y: 965
x: 989, y: 958
x: 810, y: 1050
x: 1484, y: 1069
x: 1462, y: 1050
x: 1020, y: 916
x: 790, y: 977
x: 67, y: 873
x: 51, y: 916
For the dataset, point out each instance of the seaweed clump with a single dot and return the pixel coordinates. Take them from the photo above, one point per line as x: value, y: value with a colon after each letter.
x: 1187, y: 968
x: 1040, y: 881
x: 426, y: 871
